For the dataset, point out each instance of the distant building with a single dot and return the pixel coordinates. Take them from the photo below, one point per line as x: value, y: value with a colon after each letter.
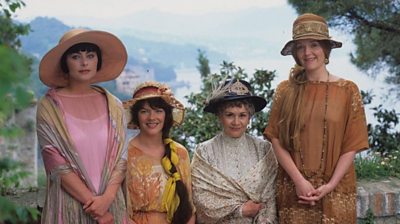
x: 133, y: 76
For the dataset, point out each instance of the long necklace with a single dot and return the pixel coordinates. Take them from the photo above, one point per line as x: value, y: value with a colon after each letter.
x: 324, y: 139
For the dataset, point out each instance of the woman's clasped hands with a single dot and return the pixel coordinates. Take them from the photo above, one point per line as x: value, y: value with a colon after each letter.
x: 98, y: 207
x: 308, y: 194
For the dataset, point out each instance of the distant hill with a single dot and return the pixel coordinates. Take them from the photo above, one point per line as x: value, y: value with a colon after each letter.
x: 46, y: 32
x: 162, y: 56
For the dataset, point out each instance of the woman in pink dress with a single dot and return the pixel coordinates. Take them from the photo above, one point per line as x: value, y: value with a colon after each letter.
x: 81, y: 130
x: 158, y: 170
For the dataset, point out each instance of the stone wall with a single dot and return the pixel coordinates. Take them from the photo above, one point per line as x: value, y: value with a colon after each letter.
x: 382, y: 198
x: 379, y: 198
x: 23, y: 148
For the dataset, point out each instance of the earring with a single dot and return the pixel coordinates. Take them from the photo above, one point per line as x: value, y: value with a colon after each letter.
x: 326, y: 61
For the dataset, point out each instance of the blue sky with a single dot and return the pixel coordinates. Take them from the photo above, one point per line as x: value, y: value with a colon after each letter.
x: 250, y: 32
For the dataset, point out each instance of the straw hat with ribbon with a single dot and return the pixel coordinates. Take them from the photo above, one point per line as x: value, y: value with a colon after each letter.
x: 153, y: 89
x: 114, y: 56
x: 235, y: 89
x: 309, y: 26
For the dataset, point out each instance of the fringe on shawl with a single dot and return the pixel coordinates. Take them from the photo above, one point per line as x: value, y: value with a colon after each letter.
x: 52, y: 130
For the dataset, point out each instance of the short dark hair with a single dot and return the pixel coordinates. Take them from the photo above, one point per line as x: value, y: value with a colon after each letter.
x: 154, y: 103
x: 236, y: 103
x: 88, y: 47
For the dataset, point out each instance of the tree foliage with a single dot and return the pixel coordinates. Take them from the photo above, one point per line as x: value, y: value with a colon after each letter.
x: 9, y: 30
x: 15, y: 93
x: 383, y: 136
x: 14, y: 214
x: 381, y: 161
x: 375, y: 26
x: 384, y: 133
x: 200, y: 126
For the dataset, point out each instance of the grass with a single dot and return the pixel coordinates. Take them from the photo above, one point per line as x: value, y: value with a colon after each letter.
x: 375, y: 166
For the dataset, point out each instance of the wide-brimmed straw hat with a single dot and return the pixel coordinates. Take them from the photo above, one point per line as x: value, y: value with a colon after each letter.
x: 153, y: 89
x: 114, y: 56
x: 235, y: 89
x: 309, y: 26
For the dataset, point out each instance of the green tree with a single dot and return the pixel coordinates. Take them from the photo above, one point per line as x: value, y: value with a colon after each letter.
x: 199, y: 126
x: 9, y: 30
x: 14, y: 67
x: 381, y: 161
x: 383, y: 136
x: 375, y: 26
x: 14, y: 95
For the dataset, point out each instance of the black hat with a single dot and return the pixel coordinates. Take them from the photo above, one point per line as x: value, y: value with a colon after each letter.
x: 235, y: 89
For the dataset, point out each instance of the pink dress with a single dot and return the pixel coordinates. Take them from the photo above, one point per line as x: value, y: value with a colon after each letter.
x: 87, y: 121
x: 88, y: 128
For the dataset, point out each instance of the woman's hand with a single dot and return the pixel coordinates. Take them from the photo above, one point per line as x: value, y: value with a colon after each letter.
x: 251, y: 208
x: 107, y: 218
x: 98, y: 205
x: 304, y: 189
x: 317, y: 194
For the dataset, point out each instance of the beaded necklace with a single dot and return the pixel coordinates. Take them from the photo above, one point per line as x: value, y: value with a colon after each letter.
x: 324, y: 140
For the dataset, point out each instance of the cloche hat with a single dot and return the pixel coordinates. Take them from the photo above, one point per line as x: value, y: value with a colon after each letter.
x: 235, y: 89
x: 309, y: 26
x: 114, y: 56
x: 153, y: 89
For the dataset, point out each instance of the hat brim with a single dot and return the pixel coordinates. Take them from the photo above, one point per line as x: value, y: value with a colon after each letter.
x: 287, y: 49
x: 114, y: 58
x: 258, y: 102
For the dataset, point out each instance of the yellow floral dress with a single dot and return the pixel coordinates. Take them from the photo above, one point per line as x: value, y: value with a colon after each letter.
x: 146, y: 180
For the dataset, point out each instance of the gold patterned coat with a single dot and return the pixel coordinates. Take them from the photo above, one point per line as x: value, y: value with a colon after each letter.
x: 346, y: 131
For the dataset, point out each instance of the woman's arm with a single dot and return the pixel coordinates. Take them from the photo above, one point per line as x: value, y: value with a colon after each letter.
x: 72, y: 184
x: 70, y: 181
x: 99, y: 205
x: 303, y: 186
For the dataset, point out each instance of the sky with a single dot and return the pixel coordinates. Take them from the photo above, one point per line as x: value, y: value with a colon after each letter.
x: 72, y: 9
x: 257, y: 48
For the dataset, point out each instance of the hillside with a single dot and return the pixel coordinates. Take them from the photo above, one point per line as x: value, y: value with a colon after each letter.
x: 163, y: 57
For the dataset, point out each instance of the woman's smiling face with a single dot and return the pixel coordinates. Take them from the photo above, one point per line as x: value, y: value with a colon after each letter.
x: 235, y: 120
x: 151, y: 121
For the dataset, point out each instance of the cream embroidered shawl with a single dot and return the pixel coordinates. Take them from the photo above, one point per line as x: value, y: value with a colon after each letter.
x: 217, y: 196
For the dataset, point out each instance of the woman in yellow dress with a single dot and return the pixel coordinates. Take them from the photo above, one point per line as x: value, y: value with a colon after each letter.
x: 158, y: 168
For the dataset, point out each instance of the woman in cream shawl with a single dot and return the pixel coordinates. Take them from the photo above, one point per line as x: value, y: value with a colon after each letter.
x: 233, y: 174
